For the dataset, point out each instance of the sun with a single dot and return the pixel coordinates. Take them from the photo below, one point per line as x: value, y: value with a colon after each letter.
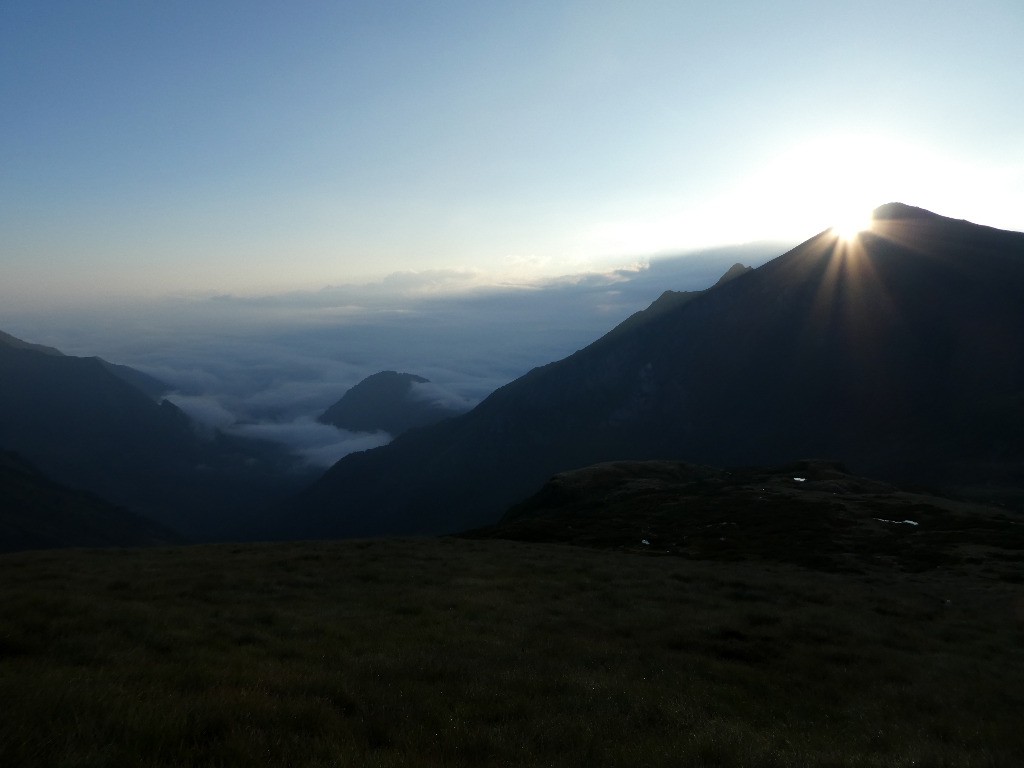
x: 849, y: 226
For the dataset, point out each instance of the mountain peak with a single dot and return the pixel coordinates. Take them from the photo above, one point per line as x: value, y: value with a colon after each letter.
x: 905, y: 365
x: 893, y: 211
x: 385, y: 401
x: 733, y: 272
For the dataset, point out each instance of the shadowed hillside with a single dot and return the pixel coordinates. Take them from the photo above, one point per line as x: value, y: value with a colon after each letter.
x: 148, y: 384
x: 901, y: 354
x: 95, y: 426
x: 37, y: 513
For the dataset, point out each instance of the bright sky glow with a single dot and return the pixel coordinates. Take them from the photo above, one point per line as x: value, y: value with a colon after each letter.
x: 149, y: 149
x: 849, y: 226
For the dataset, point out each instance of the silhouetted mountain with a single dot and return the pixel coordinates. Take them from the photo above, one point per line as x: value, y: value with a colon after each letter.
x: 84, y: 425
x: 669, y: 301
x: 151, y: 385
x: 386, y: 401
x: 7, y: 340
x: 809, y: 513
x: 148, y: 384
x: 901, y: 354
x: 37, y: 513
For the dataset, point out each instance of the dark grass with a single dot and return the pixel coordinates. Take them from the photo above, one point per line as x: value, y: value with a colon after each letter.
x: 476, y: 653
x: 811, y: 514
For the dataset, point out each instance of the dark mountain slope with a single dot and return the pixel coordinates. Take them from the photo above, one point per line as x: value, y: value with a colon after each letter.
x: 385, y: 401
x: 37, y: 513
x: 901, y: 355
x: 152, y: 386
x: 148, y: 384
x: 6, y: 340
x: 82, y: 425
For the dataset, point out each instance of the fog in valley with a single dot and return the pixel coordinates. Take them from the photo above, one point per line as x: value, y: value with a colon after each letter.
x: 266, y: 367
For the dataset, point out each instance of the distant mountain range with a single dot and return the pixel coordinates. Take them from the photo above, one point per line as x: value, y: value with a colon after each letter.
x: 96, y: 426
x: 386, y: 401
x: 900, y: 354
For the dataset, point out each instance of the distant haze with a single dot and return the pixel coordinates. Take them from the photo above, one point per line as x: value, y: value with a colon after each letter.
x: 187, y: 150
x: 267, y: 366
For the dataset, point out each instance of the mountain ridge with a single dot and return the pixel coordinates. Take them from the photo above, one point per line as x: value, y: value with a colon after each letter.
x: 85, y: 426
x: 151, y: 385
x: 900, y: 355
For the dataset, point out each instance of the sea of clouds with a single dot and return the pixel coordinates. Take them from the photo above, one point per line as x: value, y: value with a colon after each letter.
x: 266, y: 367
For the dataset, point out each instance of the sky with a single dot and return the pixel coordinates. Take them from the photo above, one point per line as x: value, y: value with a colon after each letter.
x: 175, y: 150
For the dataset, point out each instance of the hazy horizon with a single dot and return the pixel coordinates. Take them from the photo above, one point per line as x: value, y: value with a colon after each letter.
x: 267, y: 366
x: 164, y: 150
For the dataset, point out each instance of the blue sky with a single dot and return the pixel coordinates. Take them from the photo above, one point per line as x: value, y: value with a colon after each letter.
x: 173, y: 148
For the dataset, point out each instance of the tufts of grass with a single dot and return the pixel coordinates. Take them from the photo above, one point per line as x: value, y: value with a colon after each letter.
x: 479, y: 653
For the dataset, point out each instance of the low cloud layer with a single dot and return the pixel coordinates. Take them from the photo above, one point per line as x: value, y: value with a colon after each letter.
x: 205, y: 410
x: 266, y: 367
x: 319, y: 444
x: 435, y: 394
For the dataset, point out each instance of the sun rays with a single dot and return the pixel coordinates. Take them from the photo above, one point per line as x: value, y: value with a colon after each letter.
x: 850, y: 225
x: 850, y: 293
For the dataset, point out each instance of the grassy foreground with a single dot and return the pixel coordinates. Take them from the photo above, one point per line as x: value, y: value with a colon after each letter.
x: 477, y: 653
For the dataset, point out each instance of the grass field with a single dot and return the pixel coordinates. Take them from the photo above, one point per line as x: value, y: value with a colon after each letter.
x: 480, y: 653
